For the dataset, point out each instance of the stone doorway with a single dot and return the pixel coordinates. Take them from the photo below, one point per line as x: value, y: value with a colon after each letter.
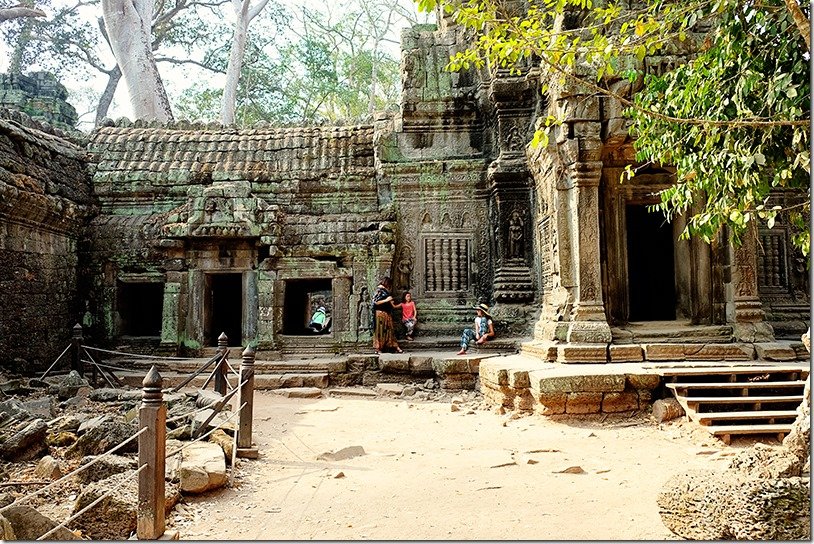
x: 223, y: 311
x: 650, y: 266
x: 139, y: 307
x: 302, y: 298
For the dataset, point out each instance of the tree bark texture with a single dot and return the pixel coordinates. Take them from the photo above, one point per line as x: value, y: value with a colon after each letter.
x: 128, y: 26
x: 667, y: 409
x: 113, y: 78
x: 17, y: 12
x: 800, y: 20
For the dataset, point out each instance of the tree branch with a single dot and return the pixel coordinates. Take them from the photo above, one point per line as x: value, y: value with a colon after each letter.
x: 17, y: 12
x: 802, y: 22
x: 171, y: 60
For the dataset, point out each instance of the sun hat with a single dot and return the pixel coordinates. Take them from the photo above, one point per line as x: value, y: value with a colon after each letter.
x: 483, y: 308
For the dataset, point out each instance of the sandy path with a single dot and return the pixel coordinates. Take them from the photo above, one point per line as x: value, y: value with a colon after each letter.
x: 430, y: 473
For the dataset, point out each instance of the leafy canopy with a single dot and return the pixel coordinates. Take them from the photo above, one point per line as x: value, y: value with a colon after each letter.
x: 733, y: 119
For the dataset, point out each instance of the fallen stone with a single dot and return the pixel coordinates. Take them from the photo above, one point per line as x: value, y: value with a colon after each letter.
x: 181, y: 433
x: 48, y: 469
x: 225, y: 441
x: 60, y: 440
x: 352, y: 392
x: 26, y: 443
x: 92, y: 423
x: 28, y: 524
x: 345, y: 453
x: 13, y: 387
x: 203, y: 467
x: 207, y: 399
x: 106, y: 394
x: 454, y: 408
x: 220, y: 420
x: 571, y: 470
x: 6, y: 530
x: 70, y: 385
x: 66, y: 423
x: 408, y: 391
x: 102, y: 438
x: 299, y: 392
x: 13, y: 408
x: 389, y: 389
x: 115, y: 517
x: 105, y: 468
x: 44, y: 407
x: 429, y: 384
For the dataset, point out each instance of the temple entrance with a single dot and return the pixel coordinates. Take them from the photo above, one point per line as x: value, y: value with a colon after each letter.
x: 650, y: 266
x: 302, y: 298
x: 139, y: 307
x: 224, y: 308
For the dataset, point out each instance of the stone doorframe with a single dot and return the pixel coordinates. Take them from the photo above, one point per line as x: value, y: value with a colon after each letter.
x: 692, y: 258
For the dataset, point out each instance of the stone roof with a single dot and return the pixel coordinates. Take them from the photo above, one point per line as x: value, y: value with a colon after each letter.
x: 172, y: 155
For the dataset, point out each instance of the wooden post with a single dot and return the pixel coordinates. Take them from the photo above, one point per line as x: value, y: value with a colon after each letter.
x: 76, y: 340
x: 152, y: 446
x: 222, y: 369
x: 244, y: 431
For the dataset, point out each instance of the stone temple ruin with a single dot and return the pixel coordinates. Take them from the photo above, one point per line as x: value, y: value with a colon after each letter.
x: 166, y: 235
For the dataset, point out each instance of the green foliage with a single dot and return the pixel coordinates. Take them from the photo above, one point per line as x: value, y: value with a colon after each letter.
x: 732, y: 120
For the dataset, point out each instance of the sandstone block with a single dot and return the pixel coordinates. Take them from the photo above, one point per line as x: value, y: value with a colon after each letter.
x: 663, y: 352
x: 583, y: 403
x: 542, y: 384
x: 720, y: 352
x: 103, y: 437
x: 524, y: 401
x: 620, y: 402
x: 28, y: 524
x: 420, y: 366
x: 493, y: 373
x: 105, y: 468
x: 226, y: 443
x: 643, y: 381
x: 390, y: 389
x: 458, y: 381
x: 43, y: 407
x: 625, y: 353
x: 775, y: 351
x: 26, y: 443
x: 203, y: 467
x: 48, y: 469
x: 519, y: 379
x: 456, y: 366
x: 299, y: 392
x: 582, y: 353
x: 551, y: 404
x: 394, y: 365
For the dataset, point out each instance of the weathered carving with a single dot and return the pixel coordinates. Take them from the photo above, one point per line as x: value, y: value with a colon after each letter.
x: 516, y: 236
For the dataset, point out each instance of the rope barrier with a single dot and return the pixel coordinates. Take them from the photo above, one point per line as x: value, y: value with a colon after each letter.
x: 75, y: 471
x: 91, y: 505
x: 139, y: 356
x: 206, y: 435
x: 195, y: 411
x: 55, y: 361
x: 95, y: 364
x: 198, y: 371
x: 120, y: 369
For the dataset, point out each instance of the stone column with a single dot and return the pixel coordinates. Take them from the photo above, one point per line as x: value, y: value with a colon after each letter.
x: 748, y: 315
x: 251, y: 307
x: 169, y: 314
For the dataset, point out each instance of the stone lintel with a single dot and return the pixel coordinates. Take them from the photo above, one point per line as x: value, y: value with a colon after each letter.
x: 724, y: 352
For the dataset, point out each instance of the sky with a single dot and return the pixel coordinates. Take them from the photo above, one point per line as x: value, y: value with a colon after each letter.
x: 83, y: 94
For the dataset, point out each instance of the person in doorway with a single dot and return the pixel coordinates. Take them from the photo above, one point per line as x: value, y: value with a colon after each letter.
x: 384, y: 338
x: 409, y: 315
x: 318, y: 320
x: 483, y: 330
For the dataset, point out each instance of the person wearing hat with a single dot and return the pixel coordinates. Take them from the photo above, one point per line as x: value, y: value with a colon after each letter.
x: 483, y: 330
x: 318, y: 320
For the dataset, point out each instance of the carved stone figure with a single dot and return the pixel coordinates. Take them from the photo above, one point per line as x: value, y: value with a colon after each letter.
x: 363, y: 310
x: 516, y: 246
x: 404, y: 269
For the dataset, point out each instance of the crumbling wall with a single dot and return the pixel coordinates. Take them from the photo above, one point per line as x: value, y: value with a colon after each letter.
x: 44, y: 201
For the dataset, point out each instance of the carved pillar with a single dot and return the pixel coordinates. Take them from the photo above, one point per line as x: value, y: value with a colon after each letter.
x: 169, y: 314
x: 747, y: 310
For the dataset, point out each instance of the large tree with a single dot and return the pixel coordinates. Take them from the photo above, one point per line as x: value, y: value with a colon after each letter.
x: 733, y: 119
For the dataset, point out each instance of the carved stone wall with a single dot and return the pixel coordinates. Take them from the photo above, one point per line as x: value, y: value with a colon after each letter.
x: 44, y: 201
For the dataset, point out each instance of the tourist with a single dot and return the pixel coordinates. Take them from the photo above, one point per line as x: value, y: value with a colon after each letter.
x: 384, y: 338
x: 482, y: 331
x: 409, y: 315
x: 318, y: 320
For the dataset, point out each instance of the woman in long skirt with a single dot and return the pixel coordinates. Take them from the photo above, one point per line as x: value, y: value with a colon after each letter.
x: 384, y: 337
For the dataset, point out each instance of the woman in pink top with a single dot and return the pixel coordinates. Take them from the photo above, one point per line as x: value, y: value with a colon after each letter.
x: 409, y: 315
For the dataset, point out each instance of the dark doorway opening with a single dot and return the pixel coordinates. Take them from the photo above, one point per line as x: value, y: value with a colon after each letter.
x: 224, y: 312
x: 302, y: 298
x: 140, y: 307
x: 650, y: 266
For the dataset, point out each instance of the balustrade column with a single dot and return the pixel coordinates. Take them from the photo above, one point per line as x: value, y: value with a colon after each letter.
x: 245, y: 448
x: 77, y: 338
x: 152, y: 446
x: 222, y: 370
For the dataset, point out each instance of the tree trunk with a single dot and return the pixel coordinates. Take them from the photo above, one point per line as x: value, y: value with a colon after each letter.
x: 17, y: 12
x: 106, y: 99
x: 229, y: 104
x: 128, y: 26
x: 667, y: 409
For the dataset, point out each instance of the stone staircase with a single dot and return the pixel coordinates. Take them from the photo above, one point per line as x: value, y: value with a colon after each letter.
x: 734, y: 400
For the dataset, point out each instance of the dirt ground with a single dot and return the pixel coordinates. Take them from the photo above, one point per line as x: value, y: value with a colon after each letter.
x: 429, y: 473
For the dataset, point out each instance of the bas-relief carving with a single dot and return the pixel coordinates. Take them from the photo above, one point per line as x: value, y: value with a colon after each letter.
x: 223, y: 210
x: 516, y: 236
